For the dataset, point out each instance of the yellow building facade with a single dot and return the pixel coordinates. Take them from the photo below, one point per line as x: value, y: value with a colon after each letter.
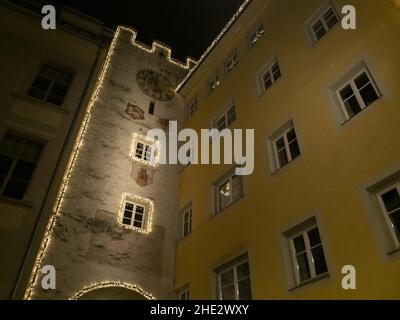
x: 290, y: 65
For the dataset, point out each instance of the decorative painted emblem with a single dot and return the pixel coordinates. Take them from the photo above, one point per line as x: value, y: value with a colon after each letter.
x: 155, y: 85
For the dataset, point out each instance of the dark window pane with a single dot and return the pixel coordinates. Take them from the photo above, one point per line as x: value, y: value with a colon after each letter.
x: 244, y: 289
x: 361, y: 80
x: 151, y: 107
x: 231, y: 115
x: 368, y: 94
x: 346, y: 92
x: 291, y: 135
x: 294, y: 149
x: 237, y: 187
x: 137, y: 224
x: 19, y: 179
x: 226, y: 278
x: 319, y: 30
x: 243, y: 271
x: 128, y: 214
x: 313, y: 236
x: 330, y: 18
x: 267, y: 80
x: 5, y: 165
x: 280, y: 143
x: 283, y: 159
x: 126, y: 221
x: 303, y: 267
x: 391, y: 199
x: 39, y: 87
x: 352, y: 106
x: 228, y: 293
x: 319, y: 260
x: 395, y: 218
x: 299, y: 244
x: 139, y: 217
x: 129, y: 206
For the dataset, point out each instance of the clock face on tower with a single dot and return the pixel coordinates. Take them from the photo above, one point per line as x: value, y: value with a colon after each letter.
x: 155, y: 85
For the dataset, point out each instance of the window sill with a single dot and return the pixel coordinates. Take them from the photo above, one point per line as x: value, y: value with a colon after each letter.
x: 309, y: 281
x: 277, y: 171
x: 39, y: 103
x: 16, y: 202
x: 393, y: 252
x: 217, y: 213
x: 361, y: 112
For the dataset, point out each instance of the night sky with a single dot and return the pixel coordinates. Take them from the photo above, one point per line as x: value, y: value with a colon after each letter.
x: 187, y: 26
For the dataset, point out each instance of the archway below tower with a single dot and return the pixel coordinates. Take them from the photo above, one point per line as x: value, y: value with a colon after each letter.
x: 112, y: 293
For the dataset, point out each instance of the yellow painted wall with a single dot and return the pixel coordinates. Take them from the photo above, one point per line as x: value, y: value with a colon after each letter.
x: 337, y: 163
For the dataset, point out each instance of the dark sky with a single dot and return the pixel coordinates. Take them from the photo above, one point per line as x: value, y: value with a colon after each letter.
x: 187, y: 26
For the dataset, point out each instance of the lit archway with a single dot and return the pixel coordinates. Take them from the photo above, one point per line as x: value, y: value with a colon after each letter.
x: 112, y: 290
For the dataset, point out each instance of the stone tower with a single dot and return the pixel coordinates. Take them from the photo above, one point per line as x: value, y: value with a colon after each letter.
x: 114, y: 223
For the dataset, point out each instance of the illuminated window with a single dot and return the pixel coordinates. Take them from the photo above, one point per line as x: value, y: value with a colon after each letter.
x: 285, y: 146
x: 226, y: 119
x: 270, y: 75
x: 228, y: 190
x: 307, y: 253
x: 51, y: 84
x: 357, y: 93
x: 256, y: 35
x: 18, y: 160
x: 231, y: 63
x: 191, y: 108
x: 233, y: 280
x: 134, y: 214
x: 187, y: 221
x: 184, y: 294
x: 389, y: 201
x: 323, y: 23
x: 213, y: 83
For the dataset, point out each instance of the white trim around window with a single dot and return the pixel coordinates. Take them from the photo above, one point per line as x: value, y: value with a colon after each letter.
x: 191, y: 108
x: 144, y: 150
x: 323, y: 21
x: 231, y: 63
x: 256, y: 35
x: 187, y: 216
x: 228, y: 190
x: 389, y: 203
x: 225, y: 119
x: 136, y: 213
x: 213, y: 83
x: 270, y: 75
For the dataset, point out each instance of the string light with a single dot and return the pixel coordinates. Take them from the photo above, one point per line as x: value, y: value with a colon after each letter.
x: 213, y: 44
x: 149, y: 212
x: 112, y: 284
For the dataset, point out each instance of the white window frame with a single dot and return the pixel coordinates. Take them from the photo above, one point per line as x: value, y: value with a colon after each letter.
x: 391, y: 227
x: 321, y: 18
x: 191, y: 108
x: 185, y: 292
x: 231, y: 63
x: 286, y: 147
x: 308, y: 251
x: 356, y: 91
x: 213, y: 83
x: 235, y: 278
x: 223, y: 181
x: 258, y: 34
x: 152, y: 159
x: 133, y: 219
x: 224, y: 116
x: 188, y: 212
x: 268, y: 71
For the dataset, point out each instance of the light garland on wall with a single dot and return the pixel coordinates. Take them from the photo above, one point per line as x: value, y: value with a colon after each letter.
x: 213, y: 44
x: 112, y: 284
x: 70, y: 166
x: 149, y: 204
x: 156, y: 44
x: 155, y: 150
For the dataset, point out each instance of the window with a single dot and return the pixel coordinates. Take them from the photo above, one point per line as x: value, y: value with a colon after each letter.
x: 136, y: 213
x: 187, y: 222
x: 184, y: 294
x: 152, y: 105
x: 213, y: 83
x: 270, y: 75
x: 231, y: 63
x: 228, y: 190
x: 285, y: 147
x: 324, y: 23
x: 18, y: 159
x: 256, y: 35
x: 226, y: 119
x: 307, y: 254
x: 389, y: 201
x: 357, y: 94
x: 233, y: 281
x: 51, y: 84
x: 191, y: 108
